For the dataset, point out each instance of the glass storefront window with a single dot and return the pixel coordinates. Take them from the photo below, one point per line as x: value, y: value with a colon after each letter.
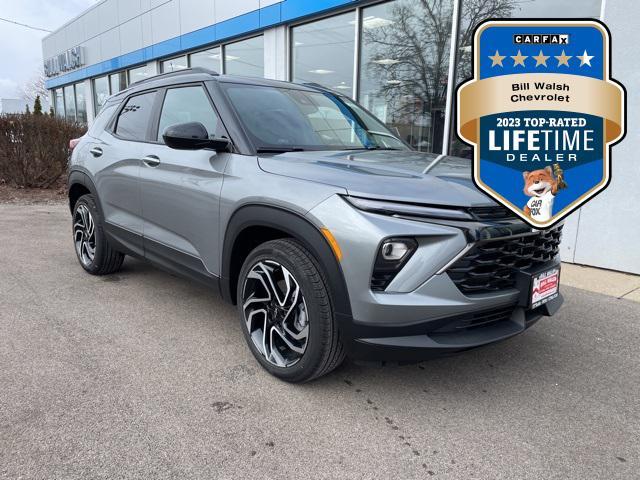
x: 245, y: 57
x: 473, y: 12
x: 59, y: 102
x: 404, y: 66
x: 81, y: 103
x: 174, y: 64
x: 323, y: 52
x: 140, y: 73
x: 69, y: 103
x: 100, y: 92
x: 118, y: 81
x: 210, y: 59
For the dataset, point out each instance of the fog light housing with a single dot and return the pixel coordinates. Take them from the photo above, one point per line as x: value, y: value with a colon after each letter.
x: 393, y: 254
x: 394, y: 250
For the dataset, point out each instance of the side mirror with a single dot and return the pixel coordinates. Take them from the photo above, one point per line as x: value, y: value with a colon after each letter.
x: 193, y: 136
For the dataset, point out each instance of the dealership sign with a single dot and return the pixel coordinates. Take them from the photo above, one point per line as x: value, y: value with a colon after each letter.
x: 69, y: 60
x: 541, y: 113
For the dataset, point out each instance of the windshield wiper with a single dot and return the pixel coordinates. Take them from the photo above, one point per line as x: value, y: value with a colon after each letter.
x: 279, y: 149
x: 374, y: 147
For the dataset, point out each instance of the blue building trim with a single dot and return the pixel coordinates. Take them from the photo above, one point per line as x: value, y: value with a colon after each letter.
x: 251, y: 22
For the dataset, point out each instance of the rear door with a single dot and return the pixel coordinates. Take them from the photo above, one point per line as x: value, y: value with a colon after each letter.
x: 181, y: 188
x: 116, y: 159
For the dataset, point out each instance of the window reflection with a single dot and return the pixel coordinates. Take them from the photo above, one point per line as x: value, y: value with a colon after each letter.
x: 140, y: 73
x: 245, y: 57
x: 174, y: 64
x: 118, y: 82
x: 404, y: 66
x: 100, y: 92
x: 206, y: 59
x: 323, y: 52
x: 474, y: 11
x: 69, y: 103
x: 59, y: 103
x: 81, y: 103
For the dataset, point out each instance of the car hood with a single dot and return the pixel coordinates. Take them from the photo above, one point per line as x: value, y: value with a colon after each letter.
x: 403, y: 176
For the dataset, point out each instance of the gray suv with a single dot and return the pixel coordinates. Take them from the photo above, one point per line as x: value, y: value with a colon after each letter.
x: 331, y: 235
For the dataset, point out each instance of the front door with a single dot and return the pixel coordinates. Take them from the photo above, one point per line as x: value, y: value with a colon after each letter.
x: 181, y: 189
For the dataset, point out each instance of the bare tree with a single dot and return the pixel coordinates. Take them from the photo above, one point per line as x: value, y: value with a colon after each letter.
x: 474, y: 12
x: 409, y: 58
x: 34, y: 87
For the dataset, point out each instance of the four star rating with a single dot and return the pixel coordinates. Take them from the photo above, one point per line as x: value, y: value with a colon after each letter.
x: 540, y: 59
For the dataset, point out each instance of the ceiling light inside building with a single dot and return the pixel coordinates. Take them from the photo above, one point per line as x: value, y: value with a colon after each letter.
x: 321, y: 71
x: 386, y: 61
x: 376, y: 22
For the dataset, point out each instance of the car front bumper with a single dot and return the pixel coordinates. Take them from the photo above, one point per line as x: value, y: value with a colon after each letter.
x: 422, y: 313
x: 434, y: 338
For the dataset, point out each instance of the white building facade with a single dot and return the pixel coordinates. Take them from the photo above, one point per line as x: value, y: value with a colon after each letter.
x: 401, y: 59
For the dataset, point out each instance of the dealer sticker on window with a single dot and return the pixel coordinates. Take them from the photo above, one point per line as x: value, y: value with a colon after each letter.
x: 544, y: 287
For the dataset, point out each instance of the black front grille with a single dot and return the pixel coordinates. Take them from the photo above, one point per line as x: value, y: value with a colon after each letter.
x: 496, y: 212
x: 473, y: 320
x: 493, y: 264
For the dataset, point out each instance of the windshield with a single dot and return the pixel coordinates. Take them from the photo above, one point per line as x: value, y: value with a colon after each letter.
x: 283, y: 119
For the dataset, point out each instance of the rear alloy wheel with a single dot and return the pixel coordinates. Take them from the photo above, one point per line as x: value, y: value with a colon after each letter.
x: 285, y: 311
x: 93, y: 250
x: 84, y: 235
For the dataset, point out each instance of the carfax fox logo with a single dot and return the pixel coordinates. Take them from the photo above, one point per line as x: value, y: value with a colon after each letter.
x: 541, y: 113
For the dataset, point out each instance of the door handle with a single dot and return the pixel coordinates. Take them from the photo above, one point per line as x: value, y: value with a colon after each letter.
x: 151, y: 160
x: 96, y: 151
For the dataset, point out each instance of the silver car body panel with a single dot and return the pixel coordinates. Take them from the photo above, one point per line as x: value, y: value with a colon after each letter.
x: 186, y: 203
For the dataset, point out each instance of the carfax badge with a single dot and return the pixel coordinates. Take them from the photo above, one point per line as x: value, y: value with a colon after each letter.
x: 541, y: 113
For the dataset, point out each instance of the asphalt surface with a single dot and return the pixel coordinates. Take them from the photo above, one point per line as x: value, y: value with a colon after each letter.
x: 145, y: 375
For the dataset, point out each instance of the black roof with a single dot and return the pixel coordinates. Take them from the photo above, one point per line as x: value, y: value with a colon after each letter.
x: 198, y: 74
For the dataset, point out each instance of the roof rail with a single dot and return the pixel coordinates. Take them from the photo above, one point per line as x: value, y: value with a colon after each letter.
x: 321, y: 87
x: 176, y: 73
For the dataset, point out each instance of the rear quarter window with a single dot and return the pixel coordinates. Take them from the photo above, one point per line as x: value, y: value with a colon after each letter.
x: 133, y: 120
x: 102, y: 120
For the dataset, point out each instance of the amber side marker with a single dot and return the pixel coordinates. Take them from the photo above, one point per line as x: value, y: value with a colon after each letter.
x: 332, y: 241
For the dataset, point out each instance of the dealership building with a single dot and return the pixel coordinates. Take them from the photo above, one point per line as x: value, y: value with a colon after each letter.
x: 401, y: 59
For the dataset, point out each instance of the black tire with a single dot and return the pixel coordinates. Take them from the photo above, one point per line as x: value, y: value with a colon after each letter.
x: 324, y: 349
x: 106, y: 259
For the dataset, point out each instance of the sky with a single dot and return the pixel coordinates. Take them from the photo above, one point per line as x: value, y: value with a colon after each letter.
x: 21, y: 51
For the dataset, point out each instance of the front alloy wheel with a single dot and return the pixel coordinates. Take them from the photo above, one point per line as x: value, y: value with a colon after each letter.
x: 275, y: 313
x: 286, y: 312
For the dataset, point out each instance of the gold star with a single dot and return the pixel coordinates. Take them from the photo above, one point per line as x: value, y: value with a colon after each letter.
x: 585, y: 59
x: 541, y: 59
x: 518, y: 59
x: 563, y: 59
x: 497, y: 59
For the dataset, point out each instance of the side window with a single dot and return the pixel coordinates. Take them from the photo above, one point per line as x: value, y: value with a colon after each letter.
x: 187, y: 104
x: 100, y: 122
x: 134, y: 118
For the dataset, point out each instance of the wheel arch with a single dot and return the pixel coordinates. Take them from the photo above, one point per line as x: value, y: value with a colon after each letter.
x: 289, y: 224
x: 79, y: 183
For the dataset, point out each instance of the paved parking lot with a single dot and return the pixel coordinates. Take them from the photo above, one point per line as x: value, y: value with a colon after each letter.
x: 145, y: 375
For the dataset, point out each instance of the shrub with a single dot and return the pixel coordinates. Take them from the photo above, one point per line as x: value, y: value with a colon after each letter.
x: 37, y: 106
x: 34, y: 149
